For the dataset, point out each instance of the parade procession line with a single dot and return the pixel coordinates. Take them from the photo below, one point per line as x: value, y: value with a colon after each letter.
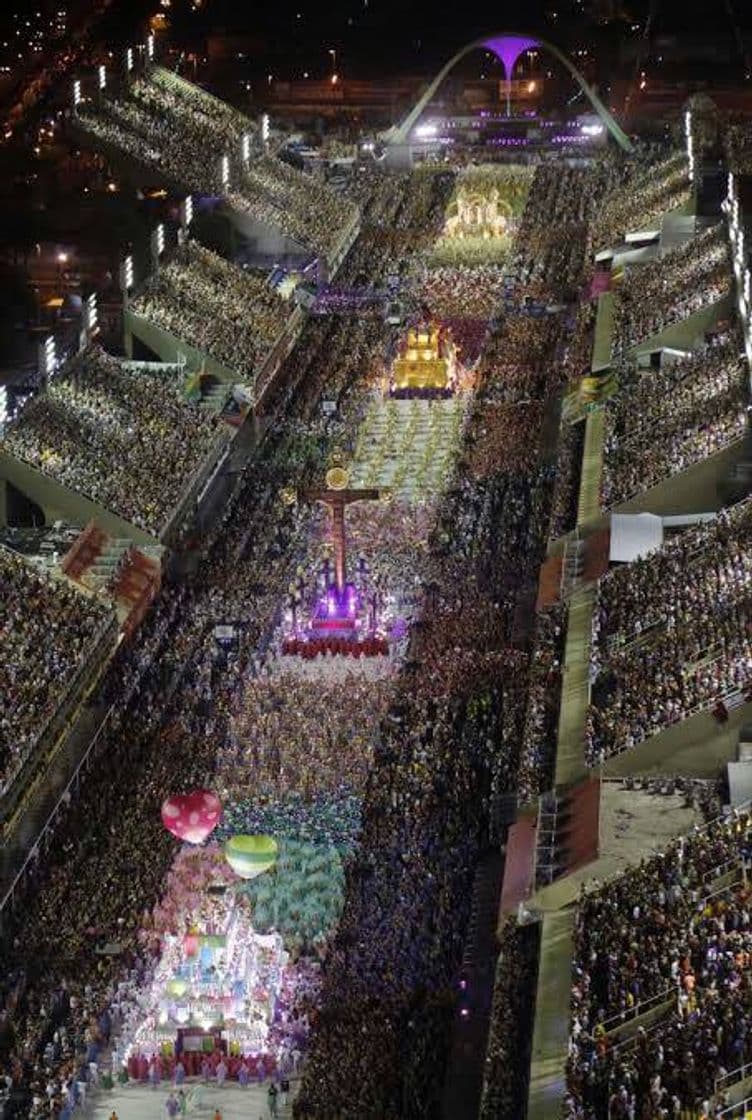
x: 141, y: 1102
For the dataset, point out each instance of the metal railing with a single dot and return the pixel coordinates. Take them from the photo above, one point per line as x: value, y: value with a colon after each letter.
x: 723, y: 888
x: 544, y: 856
x: 134, y: 365
x: 733, y: 1077
x: 639, y: 1009
x: 627, y: 1044
x: 729, y: 699
x: 742, y: 1110
x: 617, y: 644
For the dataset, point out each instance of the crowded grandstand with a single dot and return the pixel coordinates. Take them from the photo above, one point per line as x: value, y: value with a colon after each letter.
x: 412, y: 638
x: 175, y: 129
x: 124, y: 435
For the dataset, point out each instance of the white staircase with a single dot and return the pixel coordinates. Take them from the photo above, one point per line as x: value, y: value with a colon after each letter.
x: 103, y: 570
x: 214, y: 399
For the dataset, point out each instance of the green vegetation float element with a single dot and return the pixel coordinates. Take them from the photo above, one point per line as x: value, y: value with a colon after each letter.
x: 250, y: 856
x: 485, y: 207
x: 302, y: 898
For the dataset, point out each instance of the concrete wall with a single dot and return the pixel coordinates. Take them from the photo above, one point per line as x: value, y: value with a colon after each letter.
x: 698, y: 489
x: 168, y: 347
x: 59, y: 503
x: 697, y: 747
x: 265, y: 239
x: 604, y: 328
x: 689, y: 331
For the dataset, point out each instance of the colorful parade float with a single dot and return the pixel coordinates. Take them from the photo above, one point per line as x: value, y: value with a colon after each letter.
x: 426, y: 364
x: 344, y: 614
x: 225, y: 983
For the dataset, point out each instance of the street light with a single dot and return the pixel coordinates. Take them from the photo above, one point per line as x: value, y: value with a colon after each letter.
x: 62, y: 260
x: 333, y: 53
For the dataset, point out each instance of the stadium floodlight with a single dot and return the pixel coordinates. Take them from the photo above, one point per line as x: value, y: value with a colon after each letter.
x: 92, y: 317
x: 150, y: 47
x: 102, y: 73
x: 126, y: 274
x: 224, y: 171
x: 690, y: 145
x: 50, y: 358
x: 129, y: 60
x: 76, y: 93
x: 265, y: 127
x: 245, y: 146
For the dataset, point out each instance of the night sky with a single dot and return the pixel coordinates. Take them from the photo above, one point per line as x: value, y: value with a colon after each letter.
x: 378, y: 37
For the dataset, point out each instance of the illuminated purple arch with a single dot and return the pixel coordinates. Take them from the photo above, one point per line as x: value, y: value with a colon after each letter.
x: 508, y: 46
x: 508, y: 49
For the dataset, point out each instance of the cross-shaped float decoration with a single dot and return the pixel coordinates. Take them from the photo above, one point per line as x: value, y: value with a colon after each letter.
x: 337, y: 496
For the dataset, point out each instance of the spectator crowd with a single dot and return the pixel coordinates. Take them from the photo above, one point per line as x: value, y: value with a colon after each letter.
x: 48, y: 630
x: 124, y: 435
x: 671, y: 633
x: 173, y: 127
x: 404, y: 775
x: 663, y: 421
x: 230, y: 314
x: 663, y: 931
x: 664, y: 291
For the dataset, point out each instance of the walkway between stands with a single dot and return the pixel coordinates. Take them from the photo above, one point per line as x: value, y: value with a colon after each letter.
x: 551, y: 1031
x: 570, y: 755
x: 589, y: 505
x: 464, y: 1076
x: 141, y: 1102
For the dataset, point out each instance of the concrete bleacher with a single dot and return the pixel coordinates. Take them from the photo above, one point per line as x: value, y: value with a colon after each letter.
x: 173, y: 348
x: 231, y: 135
x: 54, y: 500
x: 635, y: 818
x: 682, y: 334
x: 677, y: 228
x: 634, y: 824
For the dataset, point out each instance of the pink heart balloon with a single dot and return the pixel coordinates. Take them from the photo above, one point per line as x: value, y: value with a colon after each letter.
x: 192, y: 816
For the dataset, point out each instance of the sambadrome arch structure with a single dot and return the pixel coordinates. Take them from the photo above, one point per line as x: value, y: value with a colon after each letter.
x: 507, y: 46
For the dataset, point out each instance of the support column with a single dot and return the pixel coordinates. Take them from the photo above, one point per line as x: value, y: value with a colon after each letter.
x: 338, y: 538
